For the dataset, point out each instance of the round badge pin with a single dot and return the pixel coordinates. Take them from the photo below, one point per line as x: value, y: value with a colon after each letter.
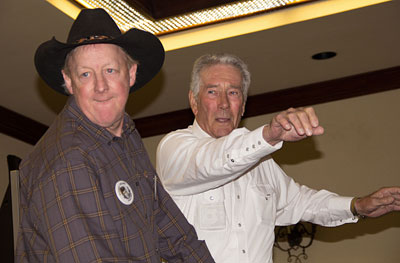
x: 124, y: 192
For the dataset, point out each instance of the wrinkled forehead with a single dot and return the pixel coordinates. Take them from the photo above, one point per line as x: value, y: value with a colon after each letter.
x: 218, y: 74
x: 99, y: 53
x: 97, y: 49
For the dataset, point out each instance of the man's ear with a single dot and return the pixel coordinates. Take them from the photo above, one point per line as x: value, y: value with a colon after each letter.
x: 68, y: 82
x: 193, y: 103
x: 132, y: 75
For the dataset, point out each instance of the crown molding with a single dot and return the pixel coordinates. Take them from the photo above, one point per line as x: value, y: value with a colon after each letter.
x: 20, y: 127
x: 25, y: 129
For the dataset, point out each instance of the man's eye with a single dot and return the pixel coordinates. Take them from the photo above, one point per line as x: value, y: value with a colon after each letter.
x: 235, y: 92
x: 110, y: 70
x: 85, y: 74
x: 211, y: 91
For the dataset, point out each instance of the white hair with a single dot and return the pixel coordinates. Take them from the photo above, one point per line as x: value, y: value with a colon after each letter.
x: 208, y: 60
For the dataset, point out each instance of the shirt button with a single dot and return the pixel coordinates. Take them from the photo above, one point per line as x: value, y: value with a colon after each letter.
x: 253, y: 146
x: 211, y: 197
x: 247, y: 149
x: 240, y: 225
x: 238, y: 196
x: 227, y: 156
x: 259, y: 143
x: 232, y: 160
x: 243, y: 251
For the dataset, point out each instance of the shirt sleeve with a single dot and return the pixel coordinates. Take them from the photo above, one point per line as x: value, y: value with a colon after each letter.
x: 190, y: 165
x: 178, y: 241
x: 300, y: 203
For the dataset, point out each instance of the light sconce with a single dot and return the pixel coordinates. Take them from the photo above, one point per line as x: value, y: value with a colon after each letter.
x: 294, y: 240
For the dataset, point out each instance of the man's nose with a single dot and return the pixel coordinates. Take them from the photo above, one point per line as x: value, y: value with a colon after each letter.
x: 101, y: 84
x: 223, y: 102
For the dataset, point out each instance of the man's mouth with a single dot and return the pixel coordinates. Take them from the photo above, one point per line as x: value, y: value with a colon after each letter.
x: 223, y: 120
x: 102, y: 100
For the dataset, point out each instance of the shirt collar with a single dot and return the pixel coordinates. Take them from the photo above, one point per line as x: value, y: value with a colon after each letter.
x: 198, y: 131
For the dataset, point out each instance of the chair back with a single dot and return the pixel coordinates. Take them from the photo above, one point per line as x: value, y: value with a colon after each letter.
x: 13, y: 167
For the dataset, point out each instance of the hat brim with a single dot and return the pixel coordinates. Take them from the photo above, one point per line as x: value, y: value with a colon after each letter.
x: 142, y: 46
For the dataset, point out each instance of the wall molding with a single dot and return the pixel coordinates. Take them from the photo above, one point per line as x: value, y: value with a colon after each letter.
x: 25, y: 129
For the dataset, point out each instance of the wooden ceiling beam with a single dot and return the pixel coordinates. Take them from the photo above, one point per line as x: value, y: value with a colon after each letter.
x: 30, y: 131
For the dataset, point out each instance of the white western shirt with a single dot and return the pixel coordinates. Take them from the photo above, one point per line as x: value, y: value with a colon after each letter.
x: 234, y: 194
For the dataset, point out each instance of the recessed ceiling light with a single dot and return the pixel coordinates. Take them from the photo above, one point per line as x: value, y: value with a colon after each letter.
x: 324, y: 55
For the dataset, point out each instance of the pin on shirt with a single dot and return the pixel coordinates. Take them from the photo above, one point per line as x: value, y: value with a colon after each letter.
x: 124, y: 192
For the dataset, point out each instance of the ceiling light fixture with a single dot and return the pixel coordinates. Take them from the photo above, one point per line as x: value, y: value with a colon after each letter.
x: 126, y: 17
x: 324, y: 55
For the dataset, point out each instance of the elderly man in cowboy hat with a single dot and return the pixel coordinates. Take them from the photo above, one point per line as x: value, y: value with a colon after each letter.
x: 88, y: 190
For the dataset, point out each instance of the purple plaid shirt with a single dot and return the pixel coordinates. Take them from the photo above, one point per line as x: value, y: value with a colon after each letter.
x: 70, y: 211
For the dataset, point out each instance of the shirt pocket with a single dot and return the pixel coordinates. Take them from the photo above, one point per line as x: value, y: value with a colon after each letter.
x: 264, y: 203
x: 212, y: 212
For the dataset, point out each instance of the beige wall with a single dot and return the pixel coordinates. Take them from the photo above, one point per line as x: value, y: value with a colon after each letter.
x: 358, y: 153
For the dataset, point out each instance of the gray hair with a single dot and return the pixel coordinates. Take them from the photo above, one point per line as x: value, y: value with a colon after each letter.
x: 129, y: 61
x: 215, y: 59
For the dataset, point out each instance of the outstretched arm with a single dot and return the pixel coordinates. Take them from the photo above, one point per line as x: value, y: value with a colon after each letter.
x: 293, y: 124
x: 381, y: 202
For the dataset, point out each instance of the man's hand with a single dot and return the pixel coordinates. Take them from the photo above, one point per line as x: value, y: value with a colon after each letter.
x: 291, y: 125
x: 381, y: 202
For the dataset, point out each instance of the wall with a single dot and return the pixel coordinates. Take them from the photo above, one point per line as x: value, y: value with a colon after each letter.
x: 357, y: 154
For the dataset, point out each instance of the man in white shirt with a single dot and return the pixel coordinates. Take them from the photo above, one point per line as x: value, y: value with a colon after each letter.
x: 224, y: 181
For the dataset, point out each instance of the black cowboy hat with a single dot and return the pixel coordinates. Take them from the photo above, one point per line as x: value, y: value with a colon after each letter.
x: 93, y: 26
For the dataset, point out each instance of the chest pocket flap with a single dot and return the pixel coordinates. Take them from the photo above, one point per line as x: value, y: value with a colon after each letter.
x: 264, y: 203
x: 212, y: 212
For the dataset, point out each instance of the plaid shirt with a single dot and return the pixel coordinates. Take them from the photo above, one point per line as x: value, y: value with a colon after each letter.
x: 69, y: 208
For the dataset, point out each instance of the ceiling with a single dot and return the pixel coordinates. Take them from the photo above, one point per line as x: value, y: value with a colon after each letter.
x: 366, y: 40
x: 158, y: 9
